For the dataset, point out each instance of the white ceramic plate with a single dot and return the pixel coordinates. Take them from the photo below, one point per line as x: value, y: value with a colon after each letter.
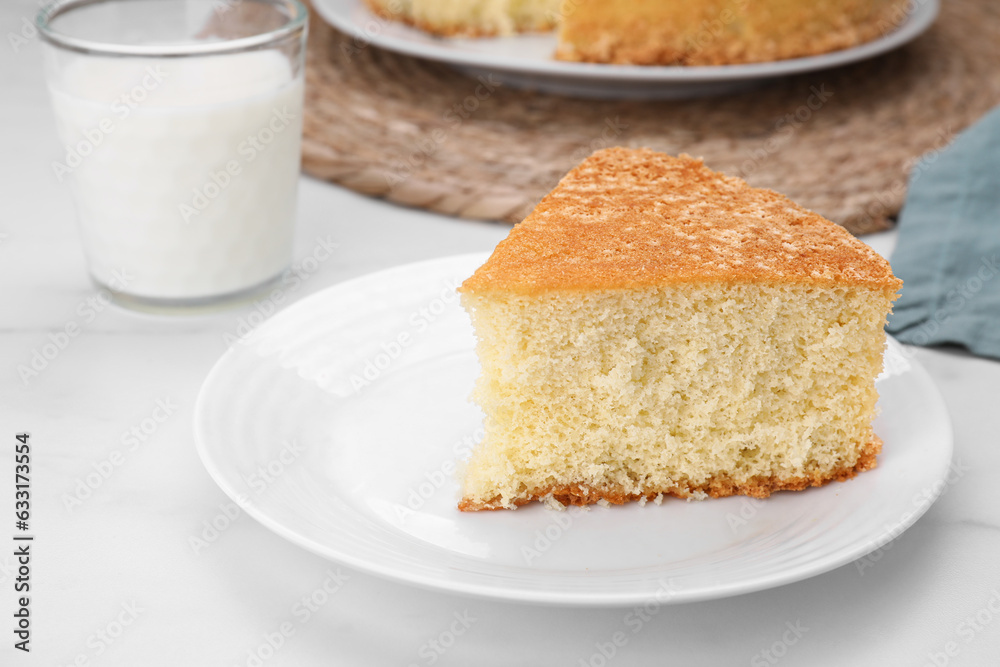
x: 337, y: 424
x: 526, y: 61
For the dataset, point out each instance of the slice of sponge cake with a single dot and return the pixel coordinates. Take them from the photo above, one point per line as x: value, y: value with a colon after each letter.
x: 655, y: 327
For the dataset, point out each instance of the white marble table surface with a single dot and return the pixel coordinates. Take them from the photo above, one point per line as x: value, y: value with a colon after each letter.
x: 123, y: 554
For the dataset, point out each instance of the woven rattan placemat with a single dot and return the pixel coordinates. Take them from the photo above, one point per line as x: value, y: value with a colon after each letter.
x: 840, y: 142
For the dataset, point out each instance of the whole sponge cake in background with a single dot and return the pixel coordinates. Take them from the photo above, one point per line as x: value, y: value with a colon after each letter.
x: 719, y: 32
x: 655, y: 327
x: 662, y: 32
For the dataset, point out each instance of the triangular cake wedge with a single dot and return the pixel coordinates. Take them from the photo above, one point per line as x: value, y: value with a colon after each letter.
x: 655, y: 327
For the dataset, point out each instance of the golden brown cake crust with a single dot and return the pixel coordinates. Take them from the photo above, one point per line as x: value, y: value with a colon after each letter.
x: 635, y: 218
x: 720, y: 32
x: 718, y: 486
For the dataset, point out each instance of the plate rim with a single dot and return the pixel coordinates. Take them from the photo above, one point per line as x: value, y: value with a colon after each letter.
x: 560, y: 598
x: 921, y: 15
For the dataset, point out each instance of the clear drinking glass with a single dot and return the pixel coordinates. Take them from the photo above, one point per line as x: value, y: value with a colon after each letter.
x: 182, y: 126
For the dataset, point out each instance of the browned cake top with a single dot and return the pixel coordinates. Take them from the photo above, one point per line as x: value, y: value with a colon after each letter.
x: 637, y: 218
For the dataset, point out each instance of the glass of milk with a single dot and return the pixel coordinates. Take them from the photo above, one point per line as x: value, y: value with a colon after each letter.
x: 182, y: 125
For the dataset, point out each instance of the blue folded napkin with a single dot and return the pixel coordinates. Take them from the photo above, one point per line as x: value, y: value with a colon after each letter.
x: 948, y: 253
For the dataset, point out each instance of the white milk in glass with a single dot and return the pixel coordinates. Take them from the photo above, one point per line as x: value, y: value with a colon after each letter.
x: 184, y: 170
